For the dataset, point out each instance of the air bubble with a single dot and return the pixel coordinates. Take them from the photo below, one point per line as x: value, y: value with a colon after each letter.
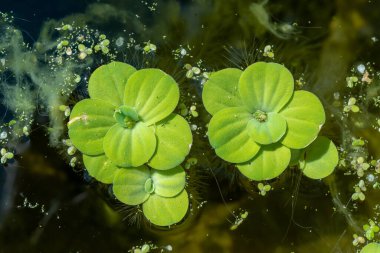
x: 361, y: 68
x: 3, y: 135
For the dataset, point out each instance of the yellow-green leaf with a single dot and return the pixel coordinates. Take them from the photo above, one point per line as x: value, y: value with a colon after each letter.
x: 130, y: 147
x: 174, y: 141
x: 163, y: 211
x: 304, y: 115
x: 129, y: 185
x: 266, y: 87
x: 108, y: 82
x: 229, y: 137
x: 320, y: 159
x: 100, y: 167
x: 168, y: 183
x: 269, y: 163
x: 153, y: 93
x: 221, y: 90
x: 89, y: 122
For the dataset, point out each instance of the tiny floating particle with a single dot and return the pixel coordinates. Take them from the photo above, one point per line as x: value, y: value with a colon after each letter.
x: 196, y: 70
x: 351, y: 81
x: 263, y: 188
x: 77, y: 78
x: 357, y: 142
x: 268, y: 51
x: 69, y: 51
x: 82, y: 55
x: 361, y: 68
x: 67, y: 111
x: 73, y: 161
x: 25, y: 131
x: 81, y: 47
x: 5, y: 155
x: 145, y: 248
x: 67, y: 28
x: 3, y: 135
x: 168, y: 247
x: 149, y: 47
x: 191, y: 162
x: 358, y: 240
x: 183, y: 110
x: 351, y: 105
x: 370, y: 178
x: 119, y: 41
x: 366, y: 78
x: 239, y: 220
x: 71, y: 150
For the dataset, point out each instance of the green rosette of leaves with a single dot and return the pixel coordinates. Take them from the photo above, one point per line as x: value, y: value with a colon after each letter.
x: 258, y: 121
x: 128, y: 124
x: 161, y: 192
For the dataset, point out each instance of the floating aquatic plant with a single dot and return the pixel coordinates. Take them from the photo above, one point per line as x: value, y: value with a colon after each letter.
x: 161, y: 193
x: 258, y: 119
x: 371, y: 248
x: 128, y: 122
x: 371, y: 229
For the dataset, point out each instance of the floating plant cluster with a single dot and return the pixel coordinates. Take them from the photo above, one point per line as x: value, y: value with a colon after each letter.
x: 129, y: 137
x: 134, y: 125
x: 259, y: 123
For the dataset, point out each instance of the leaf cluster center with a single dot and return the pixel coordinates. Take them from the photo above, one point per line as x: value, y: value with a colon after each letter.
x: 260, y: 116
x: 126, y: 116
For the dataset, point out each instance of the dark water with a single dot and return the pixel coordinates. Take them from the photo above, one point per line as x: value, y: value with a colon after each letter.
x: 46, y: 206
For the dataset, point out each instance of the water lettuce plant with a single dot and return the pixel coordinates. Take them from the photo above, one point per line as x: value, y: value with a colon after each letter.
x: 161, y: 192
x: 128, y: 124
x: 258, y: 119
x: 372, y: 247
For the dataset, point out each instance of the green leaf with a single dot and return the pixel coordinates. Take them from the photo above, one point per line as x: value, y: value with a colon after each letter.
x: 168, y: 183
x: 269, y: 131
x: 89, y: 122
x: 174, y: 141
x: 163, y: 211
x: 129, y: 185
x: 100, y: 167
x: 321, y: 158
x: 153, y: 93
x: 304, y: 116
x: 108, y: 82
x: 130, y: 147
x: 372, y: 247
x: 269, y: 163
x: 221, y: 90
x: 228, y: 134
x: 266, y: 87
